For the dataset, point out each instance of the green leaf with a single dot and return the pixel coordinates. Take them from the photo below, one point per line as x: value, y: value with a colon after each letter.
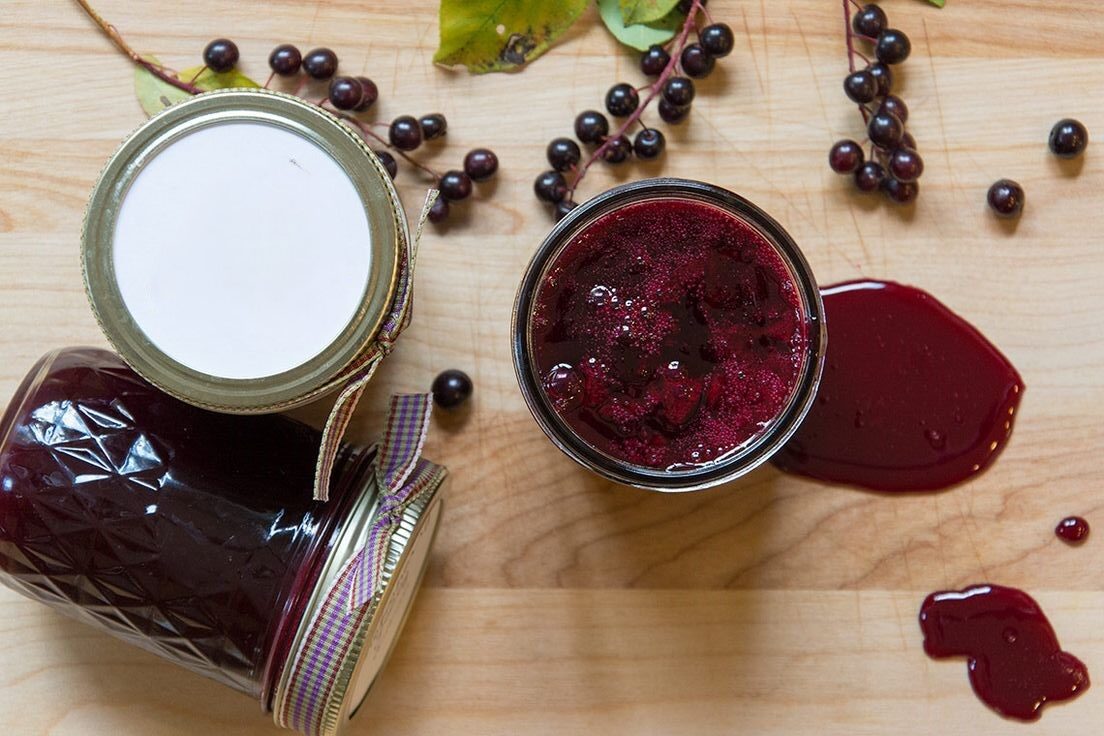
x: 641, y: 35
x: 645, y: 11
x: 501, y: 35
x: 937, y: 3
x: 155, y: 94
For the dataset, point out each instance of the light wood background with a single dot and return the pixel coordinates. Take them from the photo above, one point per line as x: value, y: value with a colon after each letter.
x: 559, y: 604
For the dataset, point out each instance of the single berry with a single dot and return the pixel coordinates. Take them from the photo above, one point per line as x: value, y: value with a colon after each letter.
x: 905, y: 165
x: 622, y: 100
x: 346, y: 93
x: 617, y: 149
x: 1006, y: 198
x: 433, y: 125
x: 869, y: 21
x: 550, y: 187
x: 860, y: 86
x: 285, y: 60
x: 869, y: 176
x: 221, y: 55
x: 563, y: 153
x: 388, y: 162
x: 455, y: 185
x: 883, y: 77
x: 649, y: 143
x: 405, y: 133
x: 895, y: 106
x: 696, y: 61
x: 673, y: 114
x: 439, y: 210
x: 320, y: 63
x: 893, y: 46
x: 562, y: 208
x: 371, y: 93
x: 907, y: 141
x: 591, y: 126
x: 480, y: 164
x: 845, y: 157
x: 901, y: 192
x: 654, y: 60
x: 1068, y: 138
x: 679, y: 91
x: 451, y: 389
x: 684, y: 5
x: 717, y: 39
x: 884, y: 130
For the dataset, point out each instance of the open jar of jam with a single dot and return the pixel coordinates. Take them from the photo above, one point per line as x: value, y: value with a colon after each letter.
x: 669, y: 335
x: 193, y: 535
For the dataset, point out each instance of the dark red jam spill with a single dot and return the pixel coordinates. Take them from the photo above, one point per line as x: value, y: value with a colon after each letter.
x: 1073, y: 529
x: 913, y: 398
x: 1015, y: 663
x: 668, y: 334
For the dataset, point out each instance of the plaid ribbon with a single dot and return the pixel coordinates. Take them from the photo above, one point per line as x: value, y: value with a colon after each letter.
x: 333, y: 634
x: 365, y: 366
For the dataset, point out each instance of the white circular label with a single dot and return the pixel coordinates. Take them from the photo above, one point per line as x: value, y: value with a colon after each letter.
x: 242, y: 250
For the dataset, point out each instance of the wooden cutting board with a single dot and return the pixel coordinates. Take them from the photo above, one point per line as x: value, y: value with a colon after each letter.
x: 557, y: 603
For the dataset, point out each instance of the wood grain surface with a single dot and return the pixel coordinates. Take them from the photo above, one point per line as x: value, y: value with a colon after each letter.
x: 558, y: 603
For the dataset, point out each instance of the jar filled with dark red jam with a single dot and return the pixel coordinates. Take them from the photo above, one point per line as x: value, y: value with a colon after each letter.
x: 193, y: 534
x: 669, y: 335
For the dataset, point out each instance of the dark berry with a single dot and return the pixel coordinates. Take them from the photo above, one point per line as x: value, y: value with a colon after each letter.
x: 907, y: 141
x: 654, y: 60
x: 388, y: 162
x: 673, y: 114
x: 221, y: 55
x: 649, y: 144
x: 591, y: 126
x: 860, y: 86
x: 717, y: 39
x: 550, y: 187
x: 883, y: 77
x: 439, y: 211
x: 684, y: 5
x: 346, y: 93
x: 696, y: 61
x: 320, y: 63
x: 1068, y: 138
x: 895, y: 106
x: 905, y: 164
x: 884, y: 130
x: 869, y: 21
x: 1006, y: 198
x: 285, y: 60
x: 562, y: 208
x: 405, y: 133
x: 480, y: 164
x: 845, y: 156
x: 617, y: 149
x: 869, y: 176
x: 901, y: 192
x: 451, y: 389
x: 679, y: 91
x: 455, y: 185
x: 893, y: 46
x: 622, y: 100
x: 371, y: 93
x: 433, y: 125
x: 563, y: 153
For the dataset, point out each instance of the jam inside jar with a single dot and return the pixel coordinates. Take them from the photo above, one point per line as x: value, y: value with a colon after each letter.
x: 669, y: 335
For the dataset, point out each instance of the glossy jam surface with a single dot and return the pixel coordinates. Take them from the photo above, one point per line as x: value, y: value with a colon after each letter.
x: 1072, y: 529
x: 1014, y: 661
x: 668, y: 334
x: 189, y: 533
x: 913, y: 397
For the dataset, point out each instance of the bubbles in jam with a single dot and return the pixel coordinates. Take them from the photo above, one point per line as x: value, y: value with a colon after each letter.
x: 668, y: 334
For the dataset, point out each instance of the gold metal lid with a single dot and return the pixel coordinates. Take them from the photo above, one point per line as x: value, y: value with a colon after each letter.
x: 386, y: 221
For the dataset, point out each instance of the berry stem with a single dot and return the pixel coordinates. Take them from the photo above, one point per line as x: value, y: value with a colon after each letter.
x: 653, y: 90
x: 852, y: 52
x: 366, y: 130
x: 155, y: 69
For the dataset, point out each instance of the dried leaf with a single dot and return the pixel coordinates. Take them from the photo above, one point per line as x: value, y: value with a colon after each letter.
x: 641, y: 35
x: 645, y: 11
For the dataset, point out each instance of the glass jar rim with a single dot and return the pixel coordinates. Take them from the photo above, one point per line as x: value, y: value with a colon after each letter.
x: 759, y: 448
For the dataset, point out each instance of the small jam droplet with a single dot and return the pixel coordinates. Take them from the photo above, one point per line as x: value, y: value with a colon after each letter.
x: 935, y: 438
x: 1072, y: 529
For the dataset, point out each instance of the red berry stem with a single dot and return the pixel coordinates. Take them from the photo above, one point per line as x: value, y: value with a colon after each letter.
x: 653, y: 91
x: 852, y: 52
x: 367, y: 132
